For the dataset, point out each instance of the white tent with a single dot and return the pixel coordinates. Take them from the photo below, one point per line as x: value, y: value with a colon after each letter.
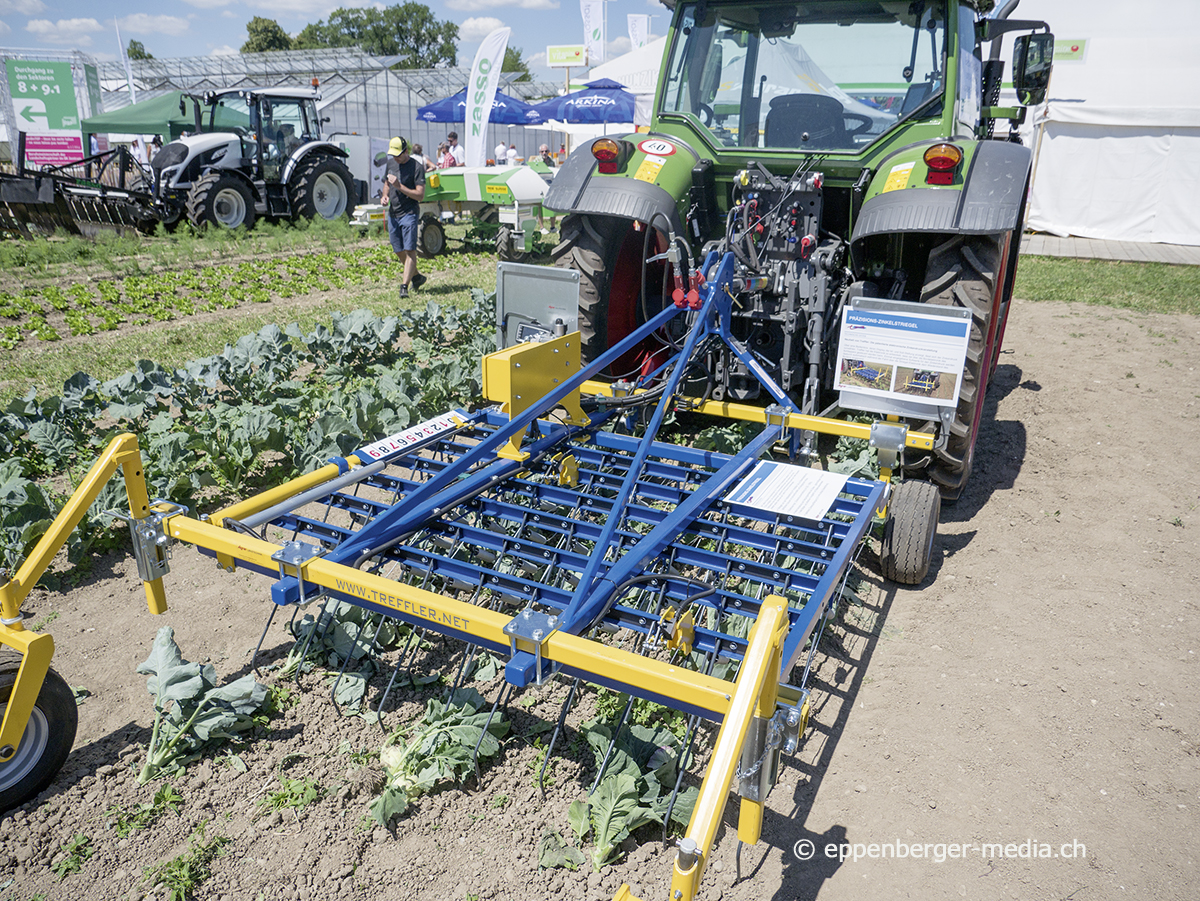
x: 638, y: 71
x: 1118, y: 142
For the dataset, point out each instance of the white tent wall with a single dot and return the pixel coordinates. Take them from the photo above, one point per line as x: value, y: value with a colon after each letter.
x: 1118, y: 141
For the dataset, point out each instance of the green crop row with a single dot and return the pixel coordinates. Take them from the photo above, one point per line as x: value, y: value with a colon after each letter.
x: 87, y: 308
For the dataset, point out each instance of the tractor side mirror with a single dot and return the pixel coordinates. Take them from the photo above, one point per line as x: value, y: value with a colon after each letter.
x: 1033, y: 57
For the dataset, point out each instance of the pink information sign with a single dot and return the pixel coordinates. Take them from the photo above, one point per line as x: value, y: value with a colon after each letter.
x: 53, y: 150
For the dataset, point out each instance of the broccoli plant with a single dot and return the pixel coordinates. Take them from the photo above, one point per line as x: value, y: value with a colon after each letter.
x: 191, y: 713
x: 440, y: 748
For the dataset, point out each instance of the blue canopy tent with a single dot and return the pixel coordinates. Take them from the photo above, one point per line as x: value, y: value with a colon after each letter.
x: 506, y: 110
x: 600, y: 101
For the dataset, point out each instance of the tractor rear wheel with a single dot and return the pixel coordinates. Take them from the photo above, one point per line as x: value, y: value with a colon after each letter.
x: 607, y: 254
x: 48, y: 736
x: 220, y: 198
x: 963, y: 272
x: 431, y: 237
x: 322, y: 187
x: 506, y: 246
x: 907, y: 545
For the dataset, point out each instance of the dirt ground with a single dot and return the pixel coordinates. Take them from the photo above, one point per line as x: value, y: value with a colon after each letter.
x: 1039, y: 691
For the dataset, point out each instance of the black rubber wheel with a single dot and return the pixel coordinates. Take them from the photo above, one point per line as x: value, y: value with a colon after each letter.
x: 908, y: 534
x: 220, y: 198
x: 506, y: 246
x: 431, y: 237
x: 48, y: 736
x: 607, y: 254
x: 962, y: 273
x: 321, y: 187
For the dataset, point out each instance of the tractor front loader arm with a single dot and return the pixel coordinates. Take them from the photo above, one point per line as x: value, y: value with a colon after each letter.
x: 37, y: 649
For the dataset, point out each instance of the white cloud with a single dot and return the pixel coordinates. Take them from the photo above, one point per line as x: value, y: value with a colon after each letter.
x: 477, y: 28
x: 141, y: 23
x: 4, y: 29
x: 224, y: 50
x: 22, y: 7
x: 228, y: 14
x: 208, y: 4
x: 308, y: 10
x: 76, y: 32
x: 617, y: 47
x: 471, y: 6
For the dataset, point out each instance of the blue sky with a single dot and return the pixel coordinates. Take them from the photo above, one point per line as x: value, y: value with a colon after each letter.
x: 204, y: 27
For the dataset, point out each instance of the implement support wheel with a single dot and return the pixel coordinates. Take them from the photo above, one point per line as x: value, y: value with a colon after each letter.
x: 431, y: 237
x: 48, y: 736
x: 908, y: 534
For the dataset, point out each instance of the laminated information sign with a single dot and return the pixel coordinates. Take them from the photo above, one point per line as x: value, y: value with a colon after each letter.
x: 788, y: 489
x: 904, y: 352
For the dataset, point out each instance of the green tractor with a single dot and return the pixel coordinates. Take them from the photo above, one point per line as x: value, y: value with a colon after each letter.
x: 842, y: 150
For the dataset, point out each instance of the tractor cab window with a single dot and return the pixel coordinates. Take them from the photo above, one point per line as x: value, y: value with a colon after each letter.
x: 806, y: 76
x: 283, y: 126
x: 231, y: 113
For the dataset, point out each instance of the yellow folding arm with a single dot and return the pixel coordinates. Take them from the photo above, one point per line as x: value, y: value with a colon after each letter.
x: 37, y: 650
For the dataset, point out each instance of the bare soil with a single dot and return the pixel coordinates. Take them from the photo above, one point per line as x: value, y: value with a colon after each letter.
x: 1039, y: 690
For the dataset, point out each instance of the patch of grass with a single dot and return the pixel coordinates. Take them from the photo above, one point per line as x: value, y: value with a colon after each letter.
x: 77, y: 850
x: 182, y: 875
x: 295, y: 793
x: 141, y: 816
x: 1145, y: 287
x: 45, y: 621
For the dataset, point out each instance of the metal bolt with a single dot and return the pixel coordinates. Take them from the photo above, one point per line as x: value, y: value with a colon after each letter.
x: 537, y: 634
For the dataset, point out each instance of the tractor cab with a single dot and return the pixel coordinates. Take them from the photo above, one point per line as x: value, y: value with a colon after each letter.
x: 271, y: 127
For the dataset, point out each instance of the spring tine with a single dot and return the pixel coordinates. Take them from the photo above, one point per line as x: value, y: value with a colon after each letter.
x: 737, y: 861
x: 341, y: 672
x: 392, y: 681
x: 370, y: 650
x: 611, y: 746
x: 308, y: 640
x: 562, y: 718
x: 685, y: 754
x: 495, y: 706
x: 261, y: 639
x: 463, y: 666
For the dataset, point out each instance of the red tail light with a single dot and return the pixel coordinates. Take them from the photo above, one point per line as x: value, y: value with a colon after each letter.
x: 608, y: 154
x: 942, y: 160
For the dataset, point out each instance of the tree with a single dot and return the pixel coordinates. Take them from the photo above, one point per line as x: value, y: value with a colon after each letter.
x: 408, y: 30
x: 264, y: 35
x: 514, y: 63
x: 135, y: 50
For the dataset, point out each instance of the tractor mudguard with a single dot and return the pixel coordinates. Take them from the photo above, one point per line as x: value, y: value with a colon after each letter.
x: 304, y: 150
x: 654, y: 177
x: 987, y: 200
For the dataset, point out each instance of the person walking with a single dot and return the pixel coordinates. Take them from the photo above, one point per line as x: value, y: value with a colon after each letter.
x: 403, y: 191
x: 501, y: 150
x: 547, y: 157
x: 455, y: 150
